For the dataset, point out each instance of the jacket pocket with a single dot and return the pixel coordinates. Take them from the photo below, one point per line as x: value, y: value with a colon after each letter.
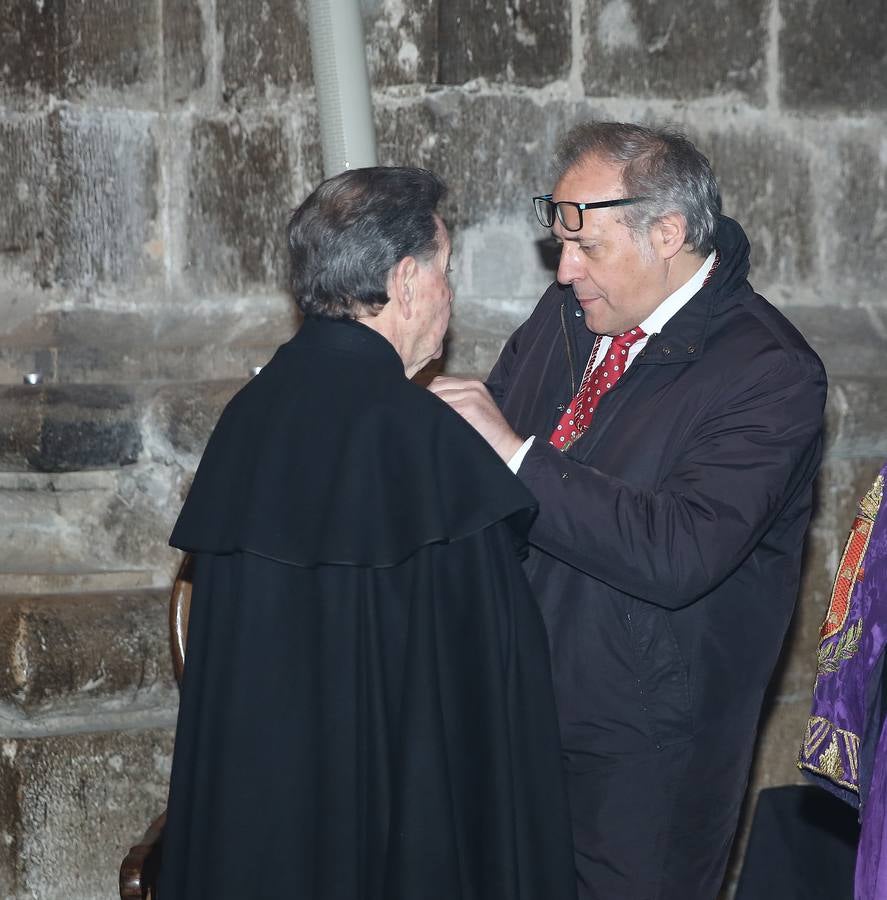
x: 662, y: 678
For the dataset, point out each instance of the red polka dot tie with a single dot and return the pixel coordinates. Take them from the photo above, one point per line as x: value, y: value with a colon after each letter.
x: 596, y: 381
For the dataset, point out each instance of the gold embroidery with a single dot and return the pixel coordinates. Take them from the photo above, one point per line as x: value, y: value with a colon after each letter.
x: 851, y: 750
x: 871, y: 502
x: 830, y: 761
x: 820, y: 731
x: 817, y: 730
x: 829, y: 657
x: 850, y: 569
x: 829, y: 764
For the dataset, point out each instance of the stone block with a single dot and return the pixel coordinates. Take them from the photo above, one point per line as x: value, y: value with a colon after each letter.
x: 28, y: 52
x: 102, y: 364
x: 470, y: 140
x: 492, y: 299
x: 766, y: 185
x: 28, y: 214
x: 101, y: 50
x: 266, y: 49
x: 495, y: 288
x: 26, y: 319
x: 106, y: 50
x: 241, y: 191
x: 15, y: 362
x: 20, y: 440
x: 306, y: 136
x: 109, y: 47
x: 136, y: 521
x: 525, y: 42
x: 75, y: 656
x: 832, y: 56
x: 851, y: 341
x: 30, y: 583
x: 98, y: 363
x: 401, y: 41
x: 63, y: 513
x: 55, y: 428
x: 185, y: 415
x: 471, y: 349
x: 44, y: 517
x: 162, y: 341
x: 81, y: 207
x: 478, y: 330
x: 73, y: 805
x: 107, y: 186
x: 184, y: 65
x: 86, y: 428
x: 680, y: 52
x: 842, y: 482
x: 857, y: 214
x: 75, y: 525
x: 854, y: 421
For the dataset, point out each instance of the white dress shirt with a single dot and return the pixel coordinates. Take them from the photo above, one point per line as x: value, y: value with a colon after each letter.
x: 653, y: 324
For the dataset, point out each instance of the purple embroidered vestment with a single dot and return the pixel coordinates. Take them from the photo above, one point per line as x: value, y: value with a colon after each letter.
x: 845, y: 744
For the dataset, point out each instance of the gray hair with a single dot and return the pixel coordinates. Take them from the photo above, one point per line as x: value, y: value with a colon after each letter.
x: 353, y: 229
x: 659, y: 164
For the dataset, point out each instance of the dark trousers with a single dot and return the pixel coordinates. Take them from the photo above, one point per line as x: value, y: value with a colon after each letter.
x: 802, y: 846
x: 658, y: 825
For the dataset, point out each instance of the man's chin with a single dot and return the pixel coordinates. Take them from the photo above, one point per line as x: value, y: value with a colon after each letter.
x: 593, y: 323
x: 598, y: 324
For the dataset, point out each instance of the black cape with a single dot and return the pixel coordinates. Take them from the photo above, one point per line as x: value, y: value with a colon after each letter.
x: 366, y: 709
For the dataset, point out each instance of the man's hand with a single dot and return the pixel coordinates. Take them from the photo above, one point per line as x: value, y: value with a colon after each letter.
x: 473, y: 402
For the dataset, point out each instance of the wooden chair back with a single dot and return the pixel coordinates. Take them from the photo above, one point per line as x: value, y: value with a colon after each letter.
x: 179, y: 609
x: 141, y: 866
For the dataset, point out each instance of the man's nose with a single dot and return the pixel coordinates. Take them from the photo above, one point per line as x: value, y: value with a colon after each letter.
x: 569, y: 268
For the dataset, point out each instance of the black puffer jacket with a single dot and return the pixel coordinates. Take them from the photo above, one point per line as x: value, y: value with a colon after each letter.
x: 666, y: 556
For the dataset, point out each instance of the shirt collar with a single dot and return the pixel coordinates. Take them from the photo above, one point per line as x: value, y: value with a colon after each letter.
x: 655, y: 322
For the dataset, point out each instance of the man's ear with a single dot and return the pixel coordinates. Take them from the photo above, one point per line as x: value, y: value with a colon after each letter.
x: 670, y: 234
x: 402, y: 285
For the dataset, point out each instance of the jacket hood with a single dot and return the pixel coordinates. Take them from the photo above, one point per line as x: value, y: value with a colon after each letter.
x: 684, y: 335
x: 733, y: 248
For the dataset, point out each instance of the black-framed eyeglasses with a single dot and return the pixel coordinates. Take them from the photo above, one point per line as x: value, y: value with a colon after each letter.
x: 570, y: 213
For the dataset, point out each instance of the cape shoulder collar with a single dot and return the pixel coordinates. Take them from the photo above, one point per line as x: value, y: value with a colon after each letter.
x: 346, y: 336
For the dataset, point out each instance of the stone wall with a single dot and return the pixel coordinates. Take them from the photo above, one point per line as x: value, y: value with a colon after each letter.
x: 149, y: 153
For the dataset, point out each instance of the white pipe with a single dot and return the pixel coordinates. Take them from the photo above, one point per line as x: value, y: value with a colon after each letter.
x: 342, y: 85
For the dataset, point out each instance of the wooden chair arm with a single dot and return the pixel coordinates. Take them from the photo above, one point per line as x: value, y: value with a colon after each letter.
x: 179, y: 609
x: 139, y: 870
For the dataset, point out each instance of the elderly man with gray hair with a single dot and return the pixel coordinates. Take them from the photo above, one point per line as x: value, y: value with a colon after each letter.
x: 668, y: 420
x: 366, y: 708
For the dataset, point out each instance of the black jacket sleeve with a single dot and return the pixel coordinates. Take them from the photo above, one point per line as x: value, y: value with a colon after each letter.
x: 741, y: 465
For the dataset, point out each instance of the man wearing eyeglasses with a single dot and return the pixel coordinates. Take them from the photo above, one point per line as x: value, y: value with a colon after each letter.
x: 668, y: 420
